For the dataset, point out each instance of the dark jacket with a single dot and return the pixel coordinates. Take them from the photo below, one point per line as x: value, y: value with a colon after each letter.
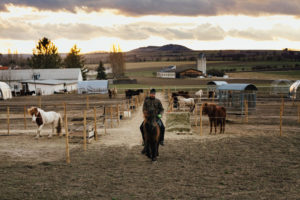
x: 153, y: 104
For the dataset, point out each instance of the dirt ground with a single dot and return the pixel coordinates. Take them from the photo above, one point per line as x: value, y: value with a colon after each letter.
x: 249, y: 161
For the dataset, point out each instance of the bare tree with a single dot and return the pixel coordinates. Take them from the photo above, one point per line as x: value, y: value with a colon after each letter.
x: 117, y: 61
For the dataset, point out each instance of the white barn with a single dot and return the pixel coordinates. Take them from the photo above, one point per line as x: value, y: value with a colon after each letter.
x: 40, y: 77
x: 5, y: 91
x: 48, y: 87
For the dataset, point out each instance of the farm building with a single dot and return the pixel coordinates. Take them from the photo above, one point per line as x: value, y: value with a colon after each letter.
x: 48, y: 87
x: 190, y: 72
x: 95, y: 86
x: 167, y: 72
x: 212, y: 88
x: 5, y: 92
x: 280, y: 87
x: 293, y: 90
x: 15, y: 77
x: 233, y: 96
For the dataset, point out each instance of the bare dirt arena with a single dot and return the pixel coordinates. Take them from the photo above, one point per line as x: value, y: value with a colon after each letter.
x: 249, y: 161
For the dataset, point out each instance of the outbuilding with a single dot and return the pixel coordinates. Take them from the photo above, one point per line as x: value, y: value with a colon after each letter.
x: 190, y: 72
x: 5, y: 91
x: 212, y: 88
x: 48, y: 87
x: 233, y: 96
x: 92, y: 87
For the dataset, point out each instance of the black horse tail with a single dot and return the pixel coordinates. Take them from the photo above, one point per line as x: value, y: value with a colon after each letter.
x: 58, y: 128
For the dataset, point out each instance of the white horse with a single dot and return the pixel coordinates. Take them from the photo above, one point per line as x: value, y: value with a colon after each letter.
x: 199, y: 94
x: 186, y: 102
x: 42, y: 118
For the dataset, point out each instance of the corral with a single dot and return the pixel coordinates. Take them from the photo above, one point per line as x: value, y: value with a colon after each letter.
x: 250, y: 161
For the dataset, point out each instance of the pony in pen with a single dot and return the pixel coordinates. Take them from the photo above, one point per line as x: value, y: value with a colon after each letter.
x: 189, y: 102
x: 151, y: 134
x: 42, y: 118
x: 217, y: 116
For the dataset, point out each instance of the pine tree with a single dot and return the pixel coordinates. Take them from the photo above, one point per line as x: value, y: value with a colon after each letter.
x: 75, y: 60
x: 101, y: 71
x: 45, y: 55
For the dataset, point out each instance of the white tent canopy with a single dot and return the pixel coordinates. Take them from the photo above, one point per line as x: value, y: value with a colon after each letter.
x: 293, y: 89
x: 5, y: 91
x: 95, y: 86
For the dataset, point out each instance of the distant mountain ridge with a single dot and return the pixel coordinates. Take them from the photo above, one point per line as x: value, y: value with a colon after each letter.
x: 168, y: 47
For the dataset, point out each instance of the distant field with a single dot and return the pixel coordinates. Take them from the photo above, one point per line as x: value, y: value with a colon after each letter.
x: 294, y: 75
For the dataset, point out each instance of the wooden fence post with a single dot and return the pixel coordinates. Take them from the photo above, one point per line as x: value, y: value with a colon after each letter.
x: 200, y: 115
x: 25, y: 123
x: 299, y: 112
x: 87, y: 103
x: 95, y: 125
x: 118, y: 114
x: 66, y: 134
x: 196, y: 118
x: 40, y: 101
x: 105, y: 120
x: 246, y: 110
x: 8, y: 122
x: 84, y: 130
x: 111, y: 117
x: 281, y: 113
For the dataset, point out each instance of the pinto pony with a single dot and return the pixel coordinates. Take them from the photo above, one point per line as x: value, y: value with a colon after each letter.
x: 112, y: 92
x: 199, y: 94
x: 42, y: 118
x: 151, y: 134
x: 217, y: 115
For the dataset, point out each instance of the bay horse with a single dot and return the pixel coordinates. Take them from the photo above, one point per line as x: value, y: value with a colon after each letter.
x: 216, y: 114
x: 42, y: 118
x: 151, y: 134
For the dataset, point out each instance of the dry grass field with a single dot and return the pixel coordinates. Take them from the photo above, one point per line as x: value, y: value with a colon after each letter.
x: 249, y: 161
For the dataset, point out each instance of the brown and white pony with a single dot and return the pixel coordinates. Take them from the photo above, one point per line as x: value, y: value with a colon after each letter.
x: 112, y: 92
x: 42, y: 118
x: 216, y: 114
x: 151, y: 134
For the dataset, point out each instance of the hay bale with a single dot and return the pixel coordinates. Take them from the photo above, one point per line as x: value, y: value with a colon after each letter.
x: 178, y: 121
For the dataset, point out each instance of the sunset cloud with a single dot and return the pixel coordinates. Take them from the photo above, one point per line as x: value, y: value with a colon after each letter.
x: 167, y: 7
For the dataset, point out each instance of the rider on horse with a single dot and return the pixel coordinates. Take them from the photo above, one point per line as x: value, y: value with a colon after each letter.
x: 151, y: 103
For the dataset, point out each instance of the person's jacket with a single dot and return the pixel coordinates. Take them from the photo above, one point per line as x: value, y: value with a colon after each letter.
x: 153, y: 104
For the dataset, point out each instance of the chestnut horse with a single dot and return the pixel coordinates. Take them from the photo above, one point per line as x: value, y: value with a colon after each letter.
x: 151, y: 134
x: 216, y: 114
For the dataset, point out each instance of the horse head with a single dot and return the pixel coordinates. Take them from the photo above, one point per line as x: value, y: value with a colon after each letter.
x: 150, y: 117
x: 33, y: 111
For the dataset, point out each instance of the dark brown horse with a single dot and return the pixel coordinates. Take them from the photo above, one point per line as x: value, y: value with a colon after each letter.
x: 151, y: 134
x: 216, y: 114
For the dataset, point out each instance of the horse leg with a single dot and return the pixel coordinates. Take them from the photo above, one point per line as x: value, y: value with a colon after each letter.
x: 38, y: 133
x: 210, y: 123
x: 215, y: 124
x: 224, y: 121
x: 153, y: 151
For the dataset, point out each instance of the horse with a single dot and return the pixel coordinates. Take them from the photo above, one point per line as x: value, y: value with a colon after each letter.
x: 42, y: 118
x: 216, y: 114
x: 129, y: 93
x: 112, y: 92
x: 151, y: 134
x: 199, y: 94
x: 186, y: 102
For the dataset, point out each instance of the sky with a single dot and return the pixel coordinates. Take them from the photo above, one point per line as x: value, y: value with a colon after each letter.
x: 95, y: 25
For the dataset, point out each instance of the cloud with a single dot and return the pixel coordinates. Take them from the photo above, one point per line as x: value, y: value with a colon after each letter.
x: 141, y: 31
x: 168, y: 7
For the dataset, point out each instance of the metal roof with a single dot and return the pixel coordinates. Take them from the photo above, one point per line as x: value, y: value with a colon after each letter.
x: 217, y: 83
x: 171, y: 68
x: 44, y: 74
x: 51, y: 82
x: 237, y: 86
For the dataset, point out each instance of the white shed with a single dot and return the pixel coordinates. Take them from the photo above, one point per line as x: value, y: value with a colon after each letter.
x: 5, y: 91
x: 95, y: 86
x: 48, y: 87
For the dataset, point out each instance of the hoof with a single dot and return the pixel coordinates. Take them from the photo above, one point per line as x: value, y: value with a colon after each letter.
x: 154, y: 159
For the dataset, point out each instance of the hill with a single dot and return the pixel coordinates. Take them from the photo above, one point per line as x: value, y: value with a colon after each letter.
x: 165, y: 48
